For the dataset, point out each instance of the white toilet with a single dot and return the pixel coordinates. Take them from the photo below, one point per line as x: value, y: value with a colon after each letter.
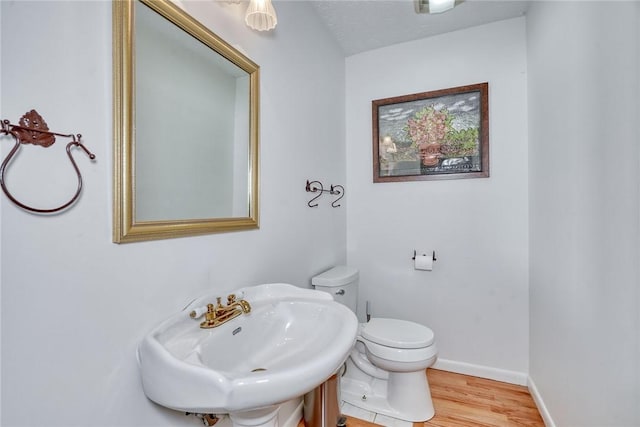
x: 386, y: 372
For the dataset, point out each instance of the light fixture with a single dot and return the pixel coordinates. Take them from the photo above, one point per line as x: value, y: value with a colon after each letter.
x: 434, y: 6
x: 261, y: 15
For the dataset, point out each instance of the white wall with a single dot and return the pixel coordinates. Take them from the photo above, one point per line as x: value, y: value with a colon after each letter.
x: 1, y: 115
x: 476, y: 298
x: 584, y: 199
x: 75, y: 305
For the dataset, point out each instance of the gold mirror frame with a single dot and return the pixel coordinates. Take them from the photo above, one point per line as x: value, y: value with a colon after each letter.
x: 125, y: 226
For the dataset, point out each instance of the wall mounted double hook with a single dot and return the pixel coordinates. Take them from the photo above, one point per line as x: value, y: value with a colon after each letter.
x: 317, y: 187
x: 32, y: 129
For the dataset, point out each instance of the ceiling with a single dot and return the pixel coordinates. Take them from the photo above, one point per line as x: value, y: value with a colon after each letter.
x: 361, y: 25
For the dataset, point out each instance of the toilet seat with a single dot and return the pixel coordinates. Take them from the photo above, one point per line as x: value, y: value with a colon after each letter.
x: 398, y: 340
x: 397, y: 333
x: 405, y: 355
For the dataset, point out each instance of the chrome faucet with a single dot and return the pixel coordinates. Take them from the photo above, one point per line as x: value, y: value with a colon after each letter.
x: 219, y: 314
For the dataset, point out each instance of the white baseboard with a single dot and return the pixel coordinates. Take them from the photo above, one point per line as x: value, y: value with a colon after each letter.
x: 511, y: 377
x: 542, y: 408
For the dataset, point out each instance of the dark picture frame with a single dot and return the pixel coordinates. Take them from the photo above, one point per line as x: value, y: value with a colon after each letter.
x: 441, y: 134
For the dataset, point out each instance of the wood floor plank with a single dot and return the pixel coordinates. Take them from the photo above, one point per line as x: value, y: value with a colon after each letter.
x: 466, y: 401
x: 462, y: 400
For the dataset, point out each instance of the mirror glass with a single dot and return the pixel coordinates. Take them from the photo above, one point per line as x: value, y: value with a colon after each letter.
x: 185, y: 125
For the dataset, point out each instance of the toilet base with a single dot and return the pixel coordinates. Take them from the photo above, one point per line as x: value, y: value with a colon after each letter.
x: 405, y: 395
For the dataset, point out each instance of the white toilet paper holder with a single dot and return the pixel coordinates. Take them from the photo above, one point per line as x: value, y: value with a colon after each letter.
x: 415, y: 253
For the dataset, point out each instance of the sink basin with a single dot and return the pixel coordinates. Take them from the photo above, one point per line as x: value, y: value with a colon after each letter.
x: 292, y: 341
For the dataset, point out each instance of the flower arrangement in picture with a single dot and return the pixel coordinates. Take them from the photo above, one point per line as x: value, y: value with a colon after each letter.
x: 427, y: 130
x: 428, y: 126
x: 432, y: 132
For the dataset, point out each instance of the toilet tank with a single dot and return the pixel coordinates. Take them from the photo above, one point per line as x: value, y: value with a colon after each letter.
x: 341, y: 282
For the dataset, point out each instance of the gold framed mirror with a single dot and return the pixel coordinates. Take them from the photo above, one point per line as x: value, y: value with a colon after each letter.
x: 186, y: 107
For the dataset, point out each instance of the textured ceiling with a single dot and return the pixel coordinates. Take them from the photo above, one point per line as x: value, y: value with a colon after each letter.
x: 361, y: 25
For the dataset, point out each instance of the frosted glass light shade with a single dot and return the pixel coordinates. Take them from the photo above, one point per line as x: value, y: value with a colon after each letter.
x: 439, y: 6
x: 261, y: 15
x: 435, y: 6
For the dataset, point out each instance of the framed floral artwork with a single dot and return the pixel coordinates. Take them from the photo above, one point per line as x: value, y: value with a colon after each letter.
x: 442, y: 134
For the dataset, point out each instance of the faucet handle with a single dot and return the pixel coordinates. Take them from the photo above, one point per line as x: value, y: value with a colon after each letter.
x: 197, y: 312
x: 231, y: 299
x: 210, y: 315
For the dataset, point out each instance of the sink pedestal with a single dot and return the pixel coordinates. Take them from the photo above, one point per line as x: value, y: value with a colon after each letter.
x: 266, y: 417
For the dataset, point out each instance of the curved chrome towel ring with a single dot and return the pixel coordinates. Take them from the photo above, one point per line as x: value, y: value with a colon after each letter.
x: 33, y: 130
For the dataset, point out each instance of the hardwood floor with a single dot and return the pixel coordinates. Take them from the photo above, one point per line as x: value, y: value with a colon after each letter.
x: 465, y: 401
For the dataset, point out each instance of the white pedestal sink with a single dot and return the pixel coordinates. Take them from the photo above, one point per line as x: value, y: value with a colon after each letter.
x: 292, y: 341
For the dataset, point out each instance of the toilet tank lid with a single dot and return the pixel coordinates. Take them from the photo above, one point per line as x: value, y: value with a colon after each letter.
x: 337, y: 276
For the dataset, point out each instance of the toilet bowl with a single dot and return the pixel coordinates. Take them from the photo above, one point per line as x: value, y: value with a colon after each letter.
x: 386, y: 371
